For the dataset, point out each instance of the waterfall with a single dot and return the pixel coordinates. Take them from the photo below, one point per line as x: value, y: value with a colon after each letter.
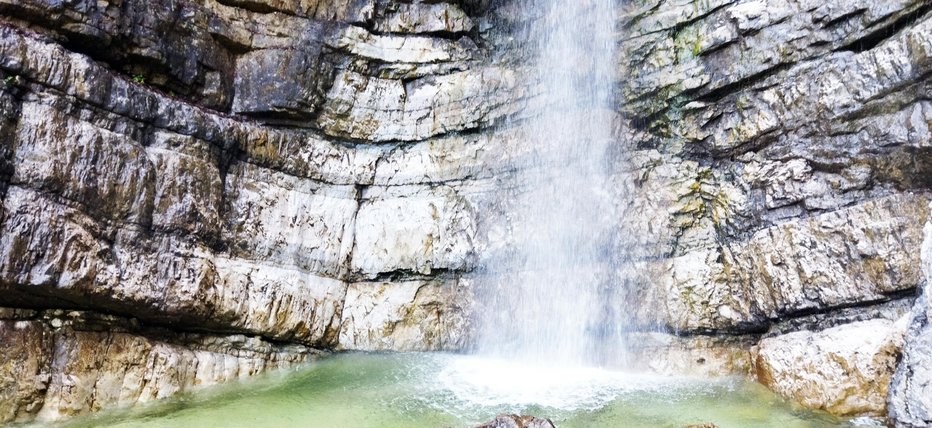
x: 549, y: 298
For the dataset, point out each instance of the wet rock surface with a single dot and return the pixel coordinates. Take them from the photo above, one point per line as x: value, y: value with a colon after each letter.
x: 911, y: 392
x: 69, y: 362
x: 787, y: 143
x: 845, y: 370
x: 515, y: 421
x: 183, y: 165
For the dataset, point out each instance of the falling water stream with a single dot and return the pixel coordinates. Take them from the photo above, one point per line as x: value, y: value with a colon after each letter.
x: 549, y: 336
x: 544, y: 300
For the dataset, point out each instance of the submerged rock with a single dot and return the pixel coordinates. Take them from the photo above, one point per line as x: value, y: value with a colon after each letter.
x: 515, y: 421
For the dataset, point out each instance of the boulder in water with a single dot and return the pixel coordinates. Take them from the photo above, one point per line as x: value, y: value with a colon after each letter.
x: 515, y: 421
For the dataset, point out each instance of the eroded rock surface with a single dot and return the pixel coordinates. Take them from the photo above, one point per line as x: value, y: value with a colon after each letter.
x: 234, y: 171
x: 515, y: 421
x: 786, y: 145
x: 324, y: 173
x: 911, y: 392
x: 64, y: 363
x: 845, y: 370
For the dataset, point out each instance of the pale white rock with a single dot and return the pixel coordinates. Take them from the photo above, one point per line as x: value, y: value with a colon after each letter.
x: 847, y: 81
x: 81, y: 370
x: 845, y: 370
x: 400, y: 316
x: 673, y: 13
x: 752, y: 15
x: 400, y: 49
x: 420, y: 231
x: 422, y: 17
x: 670, y: 355
x: 290, y: 220
x: 184, y: 279
x: 83, y: 162
x: 451, y: 159
x: 381, y: 110
x: 283, y: 302
x: 910, y: 400
x: 309, y: 155
x: 188, y: 188
x: 859, y: 254
x: 794, y: 181
x: 34, y: 224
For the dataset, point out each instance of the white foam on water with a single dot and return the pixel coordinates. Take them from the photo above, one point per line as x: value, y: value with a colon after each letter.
x: 499, y: 383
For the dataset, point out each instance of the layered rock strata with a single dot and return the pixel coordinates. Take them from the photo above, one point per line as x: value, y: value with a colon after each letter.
x: 910, y: 398
x: 786, y: 144
x: 61, y: 364
x: 249, y: 180
x: 259, y: 174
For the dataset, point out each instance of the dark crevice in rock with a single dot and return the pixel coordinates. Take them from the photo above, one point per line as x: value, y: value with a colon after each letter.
x: 256, y: 6
x: 898, y: 305
x: 90, y: 320
x: 713, y: 95
x: 843, y: 18
x: 283, y: 119
x: 908, y: 294
x: 453, y: 36
x: 403, y: 275
x: 10, y: 98
x: 886, y: 32
x: 234, y: 47
x: 678, y: 26
x: 744, y: 329
x: 656, y: 123
x: 816, y: 318
x: 43, y: 298
x: 716, y: 48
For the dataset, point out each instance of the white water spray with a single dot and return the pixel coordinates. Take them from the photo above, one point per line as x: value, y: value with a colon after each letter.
x: 549, y: 299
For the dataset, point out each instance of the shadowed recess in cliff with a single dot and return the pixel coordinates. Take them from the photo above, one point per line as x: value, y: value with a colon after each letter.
x: 548, y: 297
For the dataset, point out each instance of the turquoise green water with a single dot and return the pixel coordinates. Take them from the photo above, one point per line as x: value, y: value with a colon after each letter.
x: 438, y: 390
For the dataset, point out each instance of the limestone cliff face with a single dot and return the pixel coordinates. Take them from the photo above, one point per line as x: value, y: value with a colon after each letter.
x: 217, y: 187
x: 788, y: 141
x: 196, y: 190
x: 786, y: 146
x: 910, y: 399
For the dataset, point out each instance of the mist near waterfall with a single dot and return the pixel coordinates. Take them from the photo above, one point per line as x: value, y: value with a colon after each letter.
x: 551, y: 297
